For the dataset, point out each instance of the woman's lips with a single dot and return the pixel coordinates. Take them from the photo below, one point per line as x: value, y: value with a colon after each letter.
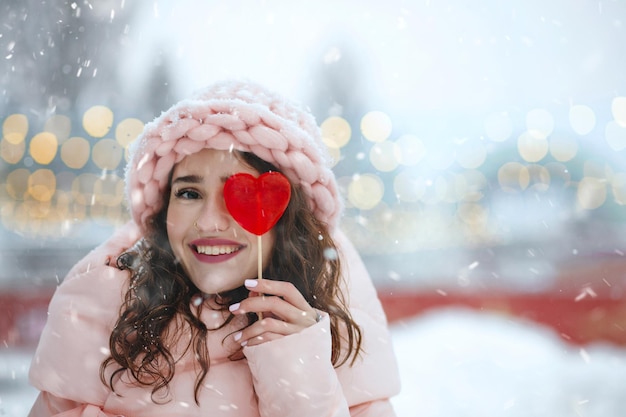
x: 215, y: 250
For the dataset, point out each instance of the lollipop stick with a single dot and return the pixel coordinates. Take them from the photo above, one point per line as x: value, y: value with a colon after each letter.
x: 260, y: 265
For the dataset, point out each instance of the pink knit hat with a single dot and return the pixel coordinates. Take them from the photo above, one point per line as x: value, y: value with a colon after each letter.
x: 233, y: 115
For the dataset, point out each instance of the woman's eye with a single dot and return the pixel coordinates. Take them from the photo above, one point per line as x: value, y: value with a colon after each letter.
x: 187, y: 194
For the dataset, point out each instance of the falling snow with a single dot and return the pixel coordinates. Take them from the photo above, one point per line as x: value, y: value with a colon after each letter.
x: 460, y: 363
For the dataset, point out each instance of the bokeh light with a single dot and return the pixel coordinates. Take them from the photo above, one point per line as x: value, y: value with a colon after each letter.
x: 615, y: 135
x: 531, y: 147
x: 473, y: 213
x: 582, y: 119
x: 383, y: 156
x: 591, y: 193
x: 43, y: 147
x: 17, y: 184
x: 618, y: 109
x: 563, y: 148
x: 12, y: 152
x: 75, y: 152
x: 42, y: 185
x: 376, y: 126
x: 107, y: 154
x: 97, y: 121
x: 15, y: 128
x: 336, y: 132
x: 365, y: 191
x: 127, y: 131
x: 513, y: 177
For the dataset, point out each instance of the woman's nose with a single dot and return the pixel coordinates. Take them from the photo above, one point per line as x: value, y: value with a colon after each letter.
x: 214, y: 216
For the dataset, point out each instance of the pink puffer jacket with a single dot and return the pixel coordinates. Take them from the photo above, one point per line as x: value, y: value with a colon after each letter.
x: 291, y: 376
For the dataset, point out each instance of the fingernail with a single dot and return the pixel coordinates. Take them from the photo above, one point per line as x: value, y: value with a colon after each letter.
x: 237, y: 336
x: 251, y: 283
x: 234, y: 307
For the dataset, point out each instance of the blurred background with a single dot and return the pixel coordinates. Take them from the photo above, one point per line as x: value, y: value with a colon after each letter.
x: 480, y: 148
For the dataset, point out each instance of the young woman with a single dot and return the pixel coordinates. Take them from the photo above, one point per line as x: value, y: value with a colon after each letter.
x: 169, y: 316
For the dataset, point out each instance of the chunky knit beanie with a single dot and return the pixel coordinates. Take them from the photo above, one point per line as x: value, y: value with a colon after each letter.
x: 232, y: 115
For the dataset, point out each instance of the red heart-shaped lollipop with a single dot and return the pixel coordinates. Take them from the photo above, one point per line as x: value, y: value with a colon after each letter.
x: 257, y: 203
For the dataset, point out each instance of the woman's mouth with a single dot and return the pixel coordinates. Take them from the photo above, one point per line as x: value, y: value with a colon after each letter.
x: 215, y: 250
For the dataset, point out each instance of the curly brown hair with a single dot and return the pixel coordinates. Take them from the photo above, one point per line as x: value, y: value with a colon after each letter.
x: 158, y: 307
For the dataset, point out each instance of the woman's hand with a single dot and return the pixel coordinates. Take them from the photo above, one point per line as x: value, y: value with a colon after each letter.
x: 284, y: 309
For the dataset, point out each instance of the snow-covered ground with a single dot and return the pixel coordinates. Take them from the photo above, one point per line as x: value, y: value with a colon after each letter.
x: 461, y: 363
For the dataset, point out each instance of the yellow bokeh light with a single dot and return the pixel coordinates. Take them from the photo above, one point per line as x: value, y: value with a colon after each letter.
x: 472, y: 213
x: 336, y: 132
x: 408, y: 187
x: 618, y: 186
x: 42, y: 184
x: 376, y: 126
x: 563, y: 148
x: 366, y: 191
x: 383, y: 156
x: 37, y: 210
x: 531, y: 147
x: 591, y: 193
x: 43, y: 147
x: 17, y: 184
x: 127, y: 131
x: 12, y: 152
x: 539, y: 123
x: 615, y: 135
x: 471, y: 154
x: 75, y: 152
x: 513, y: 176
x: 618, y: 109
x: 410, y: 150
x: 60, y: 126
x: 582, y: 119
x: 498, y: 126
x: 97, y: 121
x: 107, y: 154
x: 15, y: 128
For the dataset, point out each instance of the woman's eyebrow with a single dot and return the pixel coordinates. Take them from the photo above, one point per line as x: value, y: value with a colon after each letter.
x: 193, y: 179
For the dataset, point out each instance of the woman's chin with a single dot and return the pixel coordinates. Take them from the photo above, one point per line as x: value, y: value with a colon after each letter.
x: 216, y: 284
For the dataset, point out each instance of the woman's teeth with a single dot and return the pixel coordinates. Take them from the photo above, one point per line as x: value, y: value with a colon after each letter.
x: 217, y: 250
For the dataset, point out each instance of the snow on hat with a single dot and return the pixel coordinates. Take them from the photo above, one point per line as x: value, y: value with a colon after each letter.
x: 233, y: 115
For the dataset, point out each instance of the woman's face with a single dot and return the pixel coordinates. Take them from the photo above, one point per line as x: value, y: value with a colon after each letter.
x: 217, y: 253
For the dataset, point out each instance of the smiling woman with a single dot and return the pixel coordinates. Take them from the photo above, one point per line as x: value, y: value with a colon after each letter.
x: 172, y: 315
